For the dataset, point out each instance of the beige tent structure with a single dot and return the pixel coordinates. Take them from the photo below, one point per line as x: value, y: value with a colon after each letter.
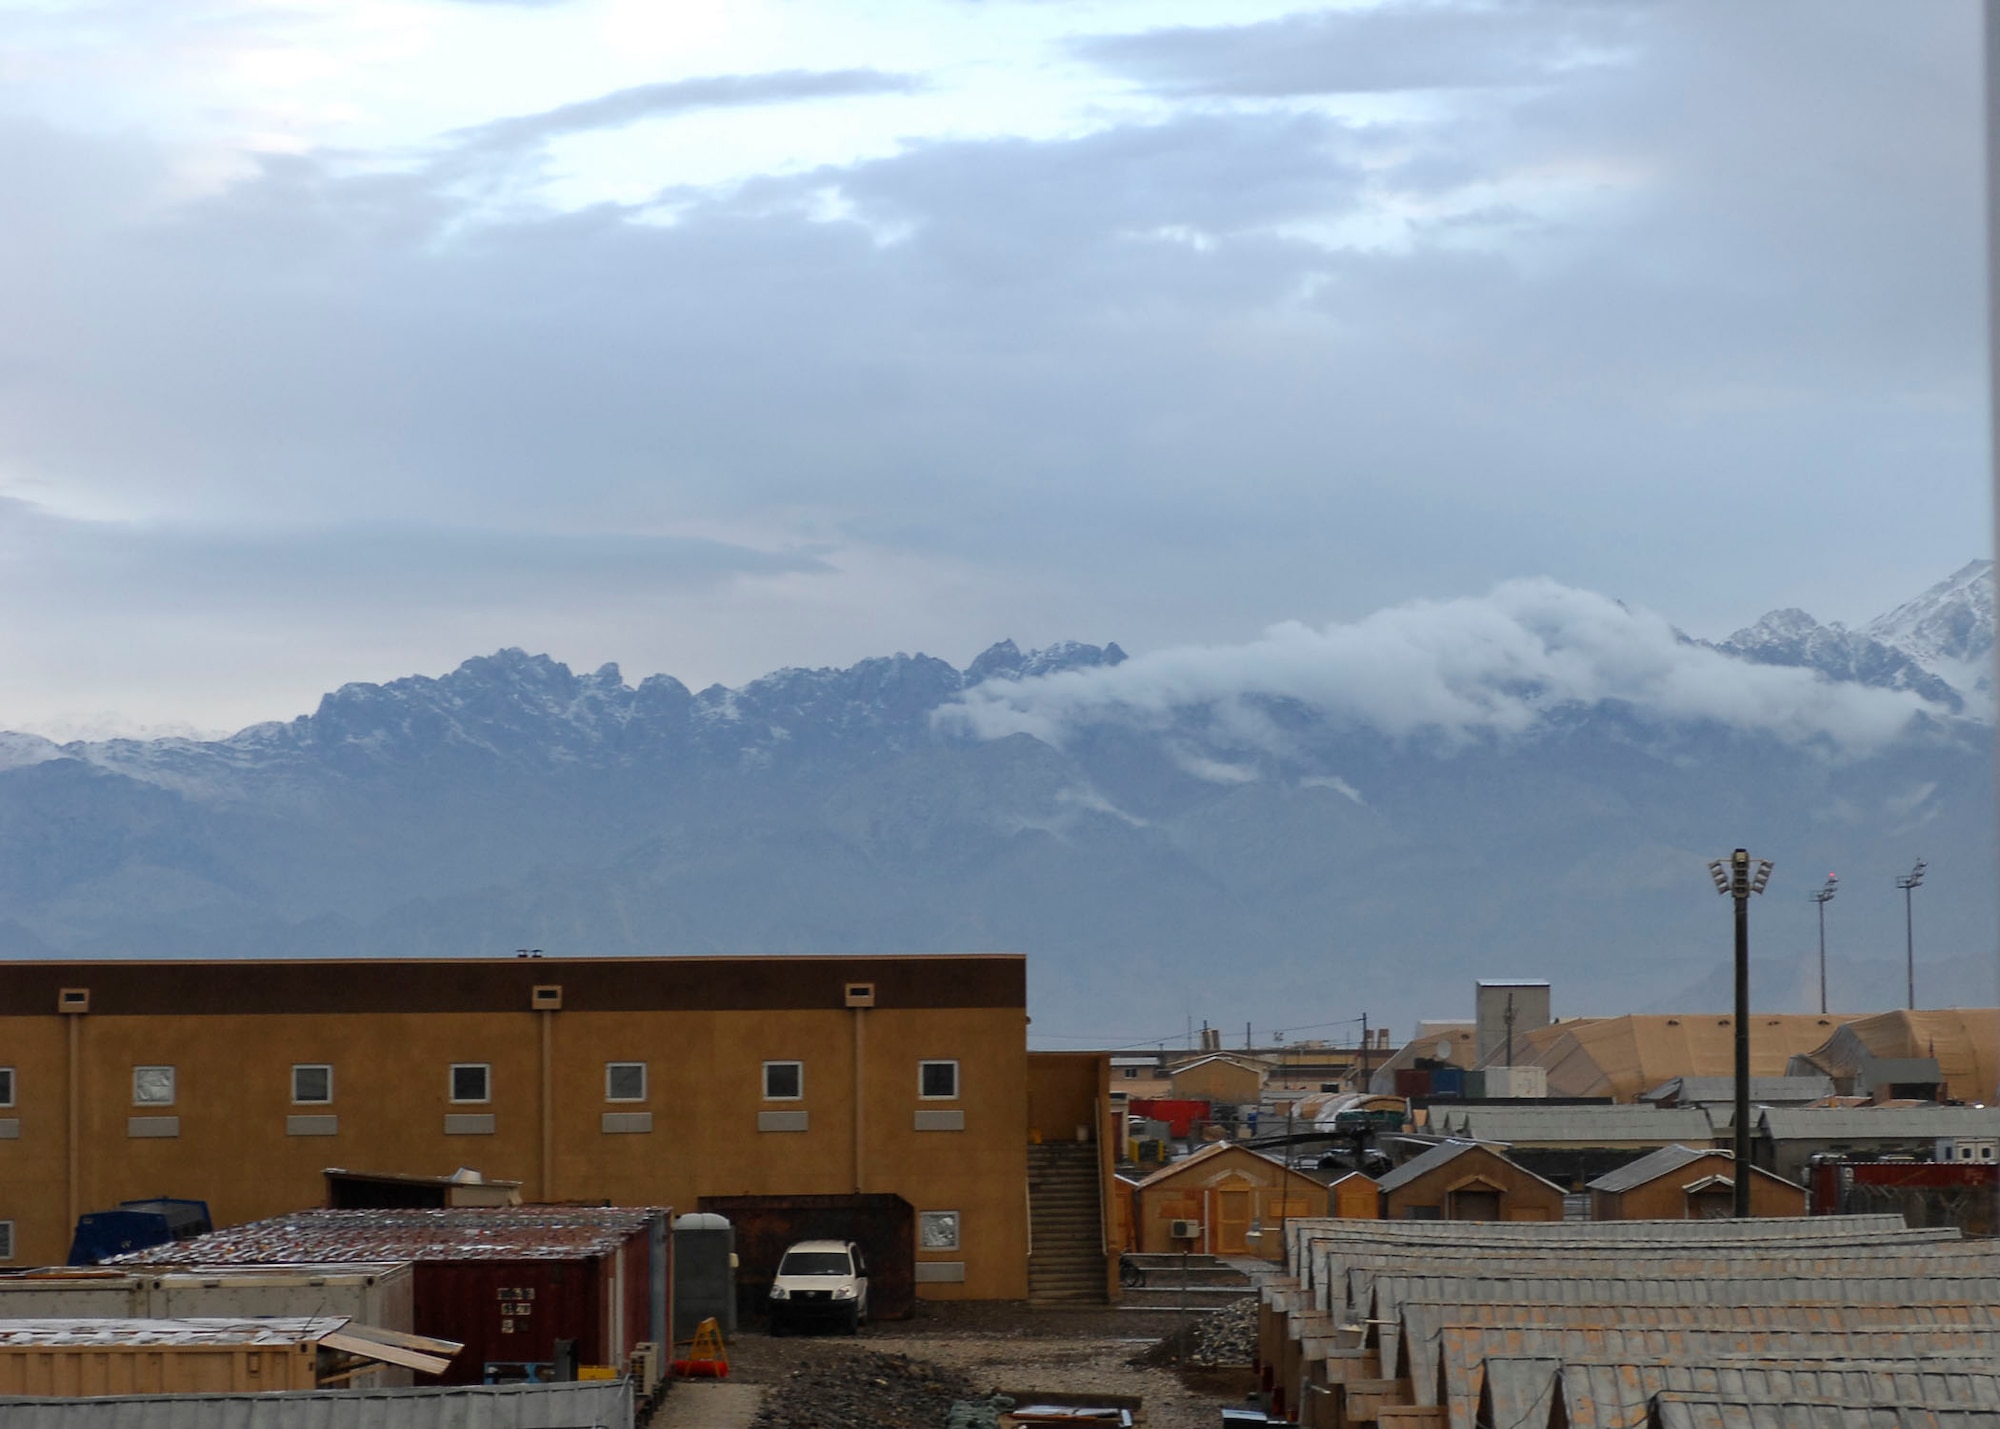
x: 1965, y: 1041
x: 1620, y: 1057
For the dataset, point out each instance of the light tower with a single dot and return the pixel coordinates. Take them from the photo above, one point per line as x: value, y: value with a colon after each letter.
x: 1823, y: 897
x: 1910, y: 883
x: 1738, y: 877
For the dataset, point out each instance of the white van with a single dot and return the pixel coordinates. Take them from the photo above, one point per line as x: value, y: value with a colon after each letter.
x: 820, y: 1281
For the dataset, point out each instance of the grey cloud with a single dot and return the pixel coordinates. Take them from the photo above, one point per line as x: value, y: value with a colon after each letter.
x: 1373, y: 48
x: 653, y: 101
x: 1121, y: 381
x: 1497, y: 665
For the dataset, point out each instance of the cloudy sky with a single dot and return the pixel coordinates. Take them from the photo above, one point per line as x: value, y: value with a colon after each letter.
x: 343, y: 339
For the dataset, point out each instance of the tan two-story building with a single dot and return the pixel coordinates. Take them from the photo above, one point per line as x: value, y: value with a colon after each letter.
x: 641, y: 1081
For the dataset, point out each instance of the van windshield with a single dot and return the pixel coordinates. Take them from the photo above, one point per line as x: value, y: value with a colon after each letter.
x: 815, y: 1262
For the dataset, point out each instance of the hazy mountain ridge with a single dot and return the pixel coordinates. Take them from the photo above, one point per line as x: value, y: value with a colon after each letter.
x: 1154, y: 836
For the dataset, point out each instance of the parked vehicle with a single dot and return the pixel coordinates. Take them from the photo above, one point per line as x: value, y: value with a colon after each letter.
x: 820, y: 1282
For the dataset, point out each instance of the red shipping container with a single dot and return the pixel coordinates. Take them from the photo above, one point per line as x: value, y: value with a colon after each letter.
x: 1179, y: 1113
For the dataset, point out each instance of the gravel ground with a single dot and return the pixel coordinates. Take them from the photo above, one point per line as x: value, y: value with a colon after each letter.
x: 898, y: 1372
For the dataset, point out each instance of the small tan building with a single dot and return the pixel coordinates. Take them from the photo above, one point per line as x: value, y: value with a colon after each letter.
x: 1468, y: 1181
x: 1355, y: 1197
x: 1227, y: 1190
x: 1688, y: 1183
x: 1228, y: 1080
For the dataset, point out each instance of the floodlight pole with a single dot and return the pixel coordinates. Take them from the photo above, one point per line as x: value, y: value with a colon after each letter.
x: 1738, y: 878
x: 1909, y: 883
x: 1823, y: 897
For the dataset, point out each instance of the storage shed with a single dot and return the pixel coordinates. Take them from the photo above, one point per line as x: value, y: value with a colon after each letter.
x: 1468, y: 1181
x: 1355, y: 1197
x: 1228, y: 1189
x: 506, y: 1281
x: 67, y: 1358
x: 1688, y: 1183
x: 1219, y: 1079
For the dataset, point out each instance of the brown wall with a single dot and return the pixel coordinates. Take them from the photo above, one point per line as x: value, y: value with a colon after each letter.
x: 1355, y: 1198
x: 1523, y: 1196
x: 1258, y: 1189
x: 1224, y: 1082
x: 1664, y: 1198
x: 704, y: 1086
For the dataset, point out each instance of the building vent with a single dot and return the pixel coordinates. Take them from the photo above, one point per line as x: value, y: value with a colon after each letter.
x: 547, y: 997
x: 1184, y: 1230
x: 73, y: 999
x: 860, y: 994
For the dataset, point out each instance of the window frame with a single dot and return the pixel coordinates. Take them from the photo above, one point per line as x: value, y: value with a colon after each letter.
x: 9, y: 1078
x: 486, y: 1074
x: 326, y: 1067
x: 924, y: 1065
x: 173, y: 1084
x: 797, y: 1066
x: 645, y: 1080
x: 7, y: 1241
x: 957, y: 1231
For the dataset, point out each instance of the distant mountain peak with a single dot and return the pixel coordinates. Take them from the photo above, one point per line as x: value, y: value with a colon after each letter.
x: 1004, y: 660
x: 1947, y: 629
x: 1792, y: 637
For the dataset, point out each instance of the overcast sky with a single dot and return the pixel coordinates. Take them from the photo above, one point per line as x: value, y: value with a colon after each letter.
x: 344, y: 339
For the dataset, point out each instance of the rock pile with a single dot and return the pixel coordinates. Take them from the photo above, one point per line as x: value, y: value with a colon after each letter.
x: 1221, y: 1337
x: 864, y: 1391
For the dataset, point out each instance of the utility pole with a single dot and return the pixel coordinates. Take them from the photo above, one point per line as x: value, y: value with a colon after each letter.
x: 1909, y: 883
x: 1363, y: 1088
x: 1738, y: 879
x: 1824, y: 897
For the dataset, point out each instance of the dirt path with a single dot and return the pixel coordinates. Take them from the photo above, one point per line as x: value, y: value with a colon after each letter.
x: 993, y: 1347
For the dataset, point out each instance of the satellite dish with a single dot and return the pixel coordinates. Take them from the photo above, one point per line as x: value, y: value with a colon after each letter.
x: 1444, y: 1049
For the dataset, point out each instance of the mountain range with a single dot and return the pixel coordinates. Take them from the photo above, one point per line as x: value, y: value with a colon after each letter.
x: 1291, y: 831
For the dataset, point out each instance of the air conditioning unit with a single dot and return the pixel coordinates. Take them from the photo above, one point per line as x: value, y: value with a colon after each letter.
x: 1185, y: 1230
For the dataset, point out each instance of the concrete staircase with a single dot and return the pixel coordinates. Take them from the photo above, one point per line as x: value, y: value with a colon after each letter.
x: 1065, y: 1209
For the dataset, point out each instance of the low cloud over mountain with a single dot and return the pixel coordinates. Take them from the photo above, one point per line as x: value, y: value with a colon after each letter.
x: 1361, y: 815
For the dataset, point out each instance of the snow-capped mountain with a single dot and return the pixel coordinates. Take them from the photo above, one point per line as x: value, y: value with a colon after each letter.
x: 1948, y: 629
x: 1523, y: 784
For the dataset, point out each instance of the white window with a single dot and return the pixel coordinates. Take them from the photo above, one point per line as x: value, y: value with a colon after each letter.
x: 6, y: 1240
x: 472, y: 1081
x: 937, y: 1081
x: 312, y: 1083
x: 624, y: 1081
x: 937, y: 1230
x: 6, y: 1086
x: 784, y: 1081
x: 152, y: 1086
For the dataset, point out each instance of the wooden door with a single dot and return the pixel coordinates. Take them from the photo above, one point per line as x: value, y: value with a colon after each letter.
x: 1232, y: 1222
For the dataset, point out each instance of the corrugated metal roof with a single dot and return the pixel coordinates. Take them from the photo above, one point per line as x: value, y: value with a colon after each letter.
x: 1360, y: 1278
x: 1878, y: 1123
x: 1608, y: 1395
x: 538, y: 1406
x: 1672, y: 1411
x: 1390, y: 1291
x: 1466, y: 1354
x: 276, y: 1331
x: 459, y: 1233
x: 1775, y: 1091
x: 1665, y: 1161
x: 1421, y: 1321
x: 1580, y: 1125
x: 1442, y: 1154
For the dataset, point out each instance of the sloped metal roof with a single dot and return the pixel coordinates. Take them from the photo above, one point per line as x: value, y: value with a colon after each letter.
x: 1663, y: 1162
x: 590, y: 1405
x: 1580, y: 1125
x: 1423, y: 1321
x: 459, y: 1233
x: 205, y: 1330
x: 1878, y: 1123
x: 1390, y: 1291
x: 1599, y: 1394
x: 1675, y: 1411
x: 1772, y: 1091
